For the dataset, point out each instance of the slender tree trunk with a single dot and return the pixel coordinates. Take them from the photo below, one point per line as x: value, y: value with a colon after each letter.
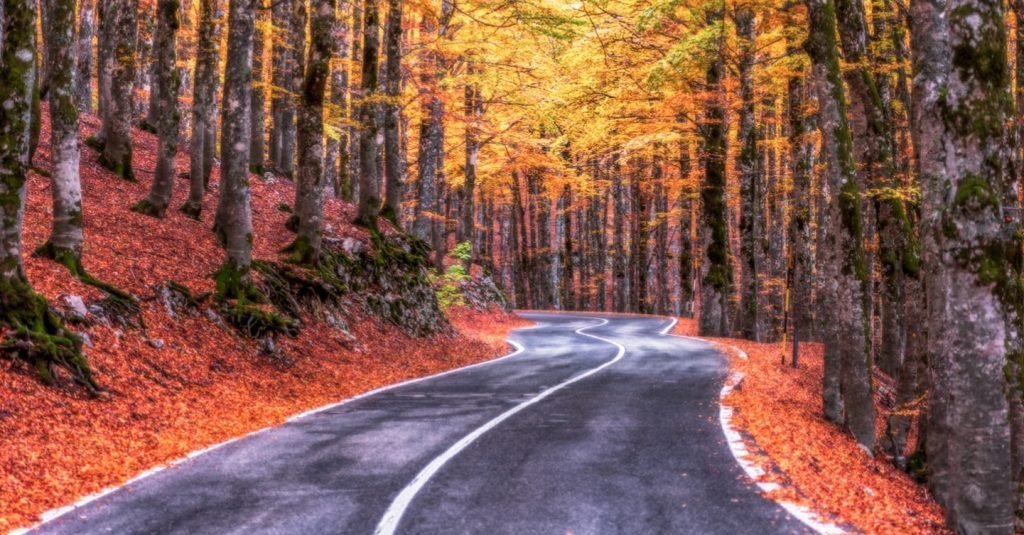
x: 355, y: 96
x: 961, y: 107
x: 686, y: 239
x: 662, y: 288
x: 233, y: 221
x: 800, y: 238
x: 257, y: 152
x: 280, y: 14
x: 845, y: 273
x: 309, y: 195
x: 750, y: 317
x: 336, y: 152
x: 65, y: 241
x: 369, y: 118
x: 117, y: 145
x: 166, y: 115
x: 83, y: 76
x: 203, y: 109
x: 620, y: 279
x: 393, y: 167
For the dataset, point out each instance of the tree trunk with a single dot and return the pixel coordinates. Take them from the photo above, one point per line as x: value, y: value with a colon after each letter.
x: 845, y: 273
x: 336, y: 152
x: 961, y: 107
x: 716, y: 284
x: 203, y: 109
x: 751, y: 322
x: 257, y: 152
x: 801, y: 166
x: 355, y: 97
x: 65, y: 241
x: 233, y: 221
x: 117, y: 145
x: 165, y: 114
x: 369, y: 118
x: 393, y: 167
x: 309, y: 193
x: 83, y: 74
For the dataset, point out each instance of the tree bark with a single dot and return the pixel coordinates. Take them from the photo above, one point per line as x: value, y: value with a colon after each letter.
x: 65, y: 241
x: 961, y: 107
x: 83, y: 76
x: 751, y: 322
x: 257, y: 150
x: 309, y: 194
x: 117, y: 145
x: 369, y: 118
x: 336, y: 152
x: 166, y: 114
x: 393, y: 166
x: 716, y: 284
x: 203, y: 108
x: 233, y: 221
x: 845, y: 271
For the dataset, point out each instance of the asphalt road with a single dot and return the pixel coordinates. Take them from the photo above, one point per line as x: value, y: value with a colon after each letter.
x: 596, y: 426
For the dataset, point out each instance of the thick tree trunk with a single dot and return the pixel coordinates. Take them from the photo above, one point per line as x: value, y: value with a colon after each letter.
x: 166, y: 115
x: 83, y: 51
x: 203, y: 108
x: 309, y: 194
x: 961, y: 107
x: 233, y: 221
x: 369, y: 118
x: 393, y: 166
x: 117, y: 145
x: 845, y: 273
x: 716, y: 284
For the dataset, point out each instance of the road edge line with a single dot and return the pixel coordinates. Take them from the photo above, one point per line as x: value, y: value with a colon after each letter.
x: 57, y: 512
x: 733, y: 437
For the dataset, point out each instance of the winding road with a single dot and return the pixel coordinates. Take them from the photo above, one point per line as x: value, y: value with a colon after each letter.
x: 595, y: 425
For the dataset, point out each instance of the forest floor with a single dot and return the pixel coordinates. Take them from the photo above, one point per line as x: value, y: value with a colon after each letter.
x: 183, y: 383
x: 780, y: 408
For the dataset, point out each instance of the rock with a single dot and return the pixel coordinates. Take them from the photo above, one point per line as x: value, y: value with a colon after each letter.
x: 76, y: 306
x: 86, y: 340
x: 352, y: 246
x: 156, y: 343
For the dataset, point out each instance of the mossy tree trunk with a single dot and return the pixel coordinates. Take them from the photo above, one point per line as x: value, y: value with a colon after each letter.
x: 65, y: 241
x: 751, y: 322
x: 961, y: 107
x: 309, y: 195
x: 165, y: 116
x: 801, y: 163
x: 39, y: 336
x: 117, y: 145
x: 847, y: 381
x: 393, y: 168
x: 233, y: 221
x: 355, y: 95
x: 369, y: 119
x: 716, y: 284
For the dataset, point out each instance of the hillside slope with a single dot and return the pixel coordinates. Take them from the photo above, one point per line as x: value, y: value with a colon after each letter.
x: 178, y: 377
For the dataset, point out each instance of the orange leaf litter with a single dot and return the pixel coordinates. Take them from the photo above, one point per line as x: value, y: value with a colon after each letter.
x: 206, y: 384
x: 780, y: 407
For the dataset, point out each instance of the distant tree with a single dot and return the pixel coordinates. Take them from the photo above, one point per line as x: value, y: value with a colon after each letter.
x: 83, y: 52
x: 203, y: 106
x: 393, y: 165
x: 117, y: 115
x: 369, y: 119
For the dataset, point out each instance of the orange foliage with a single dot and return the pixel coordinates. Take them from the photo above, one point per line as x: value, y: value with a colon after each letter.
x: 206, y: 384
x: 780, y: 407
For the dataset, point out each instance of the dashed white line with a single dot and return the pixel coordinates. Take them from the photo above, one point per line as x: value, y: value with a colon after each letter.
x: 393, y: 516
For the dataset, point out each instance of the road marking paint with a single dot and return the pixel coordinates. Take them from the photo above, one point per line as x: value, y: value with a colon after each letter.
x: 393, y: 516
x: 740, y: 452
x: 58, y: 512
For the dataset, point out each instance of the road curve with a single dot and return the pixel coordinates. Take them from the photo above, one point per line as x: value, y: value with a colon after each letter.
x: 597, y: 425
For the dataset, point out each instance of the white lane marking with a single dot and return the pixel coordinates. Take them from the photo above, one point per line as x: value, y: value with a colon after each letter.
x: 58, y: 512
x: 389, y: 522
x: 740, y: 452
x: 671, y: 324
